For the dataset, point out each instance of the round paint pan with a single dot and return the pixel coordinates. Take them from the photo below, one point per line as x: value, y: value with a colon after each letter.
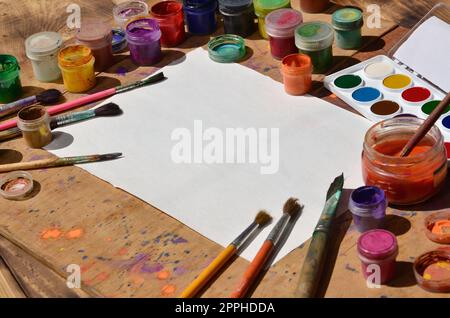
x: 446, y: 123
x: 428, y: 108
x: 366, y: 95
x: 227, y: 48
x: 16, y: 185
x: 437, y: 227
x: 385, y: 109
x: 379, y: 70
x: 348, y: 82
x: 416, y: 96
x: 397, y: 82
x: 432, y: 270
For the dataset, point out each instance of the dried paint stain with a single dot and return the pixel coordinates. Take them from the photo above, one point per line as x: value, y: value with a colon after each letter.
x: 51, y: 234
x: 74, y: 234
x: 168, y: 290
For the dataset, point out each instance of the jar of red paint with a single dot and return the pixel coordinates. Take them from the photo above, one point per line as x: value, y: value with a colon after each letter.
x: 378, y: 250
x: 280, y: 27
x: 169, y: 15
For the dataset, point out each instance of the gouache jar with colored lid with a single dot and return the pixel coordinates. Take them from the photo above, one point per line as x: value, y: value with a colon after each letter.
x: 238, y: 17
x: 347, y: 24
x: 263, y: 8
x: 368, y: 206
x: 200, y: 16
x: 316, y: 40
x: 169, y: 15
x: 42, y: 50
x: 143, y: 37
x: 77, y: 68
x: 34, y: 122
x: 297, y: 74
x: 280, y: 27
x: 314, y: 6
x: 432, y: 270
x: 127, y: 11
x: 10, y: 86
x: 378, y: 250
x: 226, y: 48
x: 405, y: 180
x: 97, y: 36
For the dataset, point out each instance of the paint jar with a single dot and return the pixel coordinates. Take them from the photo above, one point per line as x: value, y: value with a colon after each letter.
x: 437, y: 227
x: 34, y: 122
x: 97, y: 36
x: 263, y: 8
x: 169, y: 15
x: 280, y: 27
x: 432, y: 270
x: 119, y: 41
x: 347, y: 24
x: 226, y: 48
x: 368, y: 206
x: 127, y: 11
x: 16, y: 185
x: 77, y: 67
x: 316, y: 40
x: 297, y: 74
x: 405, y: 180
x: 42, y: 50
x: 200, y: 16
x: 143, y: 37
x: 10, y: 86
x: 377, y: 250
x: 238, y: 17
x: 314, y: 6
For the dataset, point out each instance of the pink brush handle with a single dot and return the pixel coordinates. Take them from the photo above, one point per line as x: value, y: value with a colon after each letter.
x: 66, y: 106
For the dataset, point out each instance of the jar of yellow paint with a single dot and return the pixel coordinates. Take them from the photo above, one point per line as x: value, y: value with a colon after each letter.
x: 77, y: 68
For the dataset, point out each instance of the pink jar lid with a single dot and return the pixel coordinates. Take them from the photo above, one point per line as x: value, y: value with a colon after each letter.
x: 282, y: 22
x: 94, y: 32
x: 377, y: 244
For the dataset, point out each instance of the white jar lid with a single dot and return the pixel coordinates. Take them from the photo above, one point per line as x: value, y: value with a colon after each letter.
x: 43, y: 43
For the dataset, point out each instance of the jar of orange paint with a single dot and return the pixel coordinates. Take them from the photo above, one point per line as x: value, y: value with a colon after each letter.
x: 406, y: 180
x: 297, y: 73
x: 77, y: 68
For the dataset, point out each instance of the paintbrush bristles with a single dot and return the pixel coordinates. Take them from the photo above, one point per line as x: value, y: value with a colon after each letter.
x: 263, y: 218
x: 49, y: 96
x: 110, y: 109
x: 291, y: 206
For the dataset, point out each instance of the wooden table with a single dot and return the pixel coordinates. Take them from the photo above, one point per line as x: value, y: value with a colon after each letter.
x: 127, y: 248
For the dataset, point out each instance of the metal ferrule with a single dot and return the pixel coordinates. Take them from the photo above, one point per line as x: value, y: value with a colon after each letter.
x: 240, y: 239
x: 276, y: 231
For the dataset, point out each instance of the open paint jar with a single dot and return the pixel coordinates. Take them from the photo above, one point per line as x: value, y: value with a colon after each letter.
x: 10, y: 86
x: 316, y: 40
x: 97, y: 36
x: 432, y: 270
x: 34, y: 122
x: 16, y: 185
x: 143, y: 37
x: 77, y: 68
x: 314, y: 6
x: 263, y: 8
x: 405, y: 180
x: 42, y: 50
x: 227, y: 48
x: 238, y: 17
x: 169, y: 15
x: 368, y: 206
x: 125, y: 12
x: 378, y: 250
x: 280, y: 27
x: 297, y: 74
x: 437, y: 227
x: 200, y: 16
x: 347, y: 24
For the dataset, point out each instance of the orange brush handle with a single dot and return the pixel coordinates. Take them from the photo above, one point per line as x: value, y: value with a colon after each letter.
x: 253, y: 270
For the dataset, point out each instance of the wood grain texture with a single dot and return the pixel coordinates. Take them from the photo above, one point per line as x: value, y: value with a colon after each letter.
x: 9, y: 287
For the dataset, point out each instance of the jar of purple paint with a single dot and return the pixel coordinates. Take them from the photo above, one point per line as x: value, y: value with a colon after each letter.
x: 143, y: 37
x: 368, y: 206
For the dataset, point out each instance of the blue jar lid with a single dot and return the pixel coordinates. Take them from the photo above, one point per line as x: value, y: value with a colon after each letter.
x: 368, y: 200
x: 198, y: 3
x: 119, y: 41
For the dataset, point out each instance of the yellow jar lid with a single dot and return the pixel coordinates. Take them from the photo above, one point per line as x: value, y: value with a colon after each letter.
x: 73, y: 56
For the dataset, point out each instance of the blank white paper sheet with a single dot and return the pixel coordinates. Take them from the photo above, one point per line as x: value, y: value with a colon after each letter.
x: 317, y: 142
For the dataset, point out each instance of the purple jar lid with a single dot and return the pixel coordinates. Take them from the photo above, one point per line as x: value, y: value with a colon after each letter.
x: 368, y: 201
x: 377, y: 244
x: 282, y: 22
x: 143, y: 30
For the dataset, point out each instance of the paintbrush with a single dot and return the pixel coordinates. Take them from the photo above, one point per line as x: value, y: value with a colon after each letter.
x: 289, y: 209
x: 47, y: 97
x: 314, y: 261
x: 261, y: 220
x: 107, y: 110
x: 91, y: 98
x: 426, y: 126
x: 57, y: 162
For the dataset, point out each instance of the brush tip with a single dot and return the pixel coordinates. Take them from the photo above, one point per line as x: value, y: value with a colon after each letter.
x: 263, y: 218
x: 49, y: 96
x: 110, y: 109
x: 291, y: 206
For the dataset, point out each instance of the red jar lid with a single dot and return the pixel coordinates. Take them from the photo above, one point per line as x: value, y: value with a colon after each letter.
x: 377, y: 244
x: 282, y: 22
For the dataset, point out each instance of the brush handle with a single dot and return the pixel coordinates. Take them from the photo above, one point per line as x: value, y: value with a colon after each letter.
x: 15, y: 106
x: 66, y: 119
x: 209, y: 272
x: 253, y: 270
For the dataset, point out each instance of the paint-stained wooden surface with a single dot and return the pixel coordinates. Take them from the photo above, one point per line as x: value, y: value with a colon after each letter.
x: 127, y: 248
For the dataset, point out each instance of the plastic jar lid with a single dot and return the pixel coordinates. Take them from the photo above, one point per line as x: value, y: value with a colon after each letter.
x: 367, y: 200
x: 119, y: 41
x: 235, y: 4
x: 42, y: 44
x: 227, y: 48
x: 16, y: 185
x: 347, y: 19
x: 9, y: 67
x: 296, y: 64
x: 263, y: 7
x: 314, y: 36
x: 166, y: 9
x: 194, y: 4
x: 430, y: 279
x: 130, y: 9
x: 282, y: 22
x: 94, y: 33
x: 143, y: 30
x: 75, y: 56
x: 377, y: 244
x: 229, y: 10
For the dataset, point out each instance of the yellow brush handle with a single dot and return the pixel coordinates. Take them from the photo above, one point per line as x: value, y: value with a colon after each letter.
x: 209, y: 272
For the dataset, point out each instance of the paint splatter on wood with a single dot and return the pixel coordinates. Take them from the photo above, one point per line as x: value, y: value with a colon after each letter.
x: 168, y: 290
x: 53, y: 233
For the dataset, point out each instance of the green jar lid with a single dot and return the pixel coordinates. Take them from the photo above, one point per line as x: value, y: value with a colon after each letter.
x: 226, y: 48
x: 347, y: 19
x: 314, y: 36
x: 264, y: 7
x: 9, y: 66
